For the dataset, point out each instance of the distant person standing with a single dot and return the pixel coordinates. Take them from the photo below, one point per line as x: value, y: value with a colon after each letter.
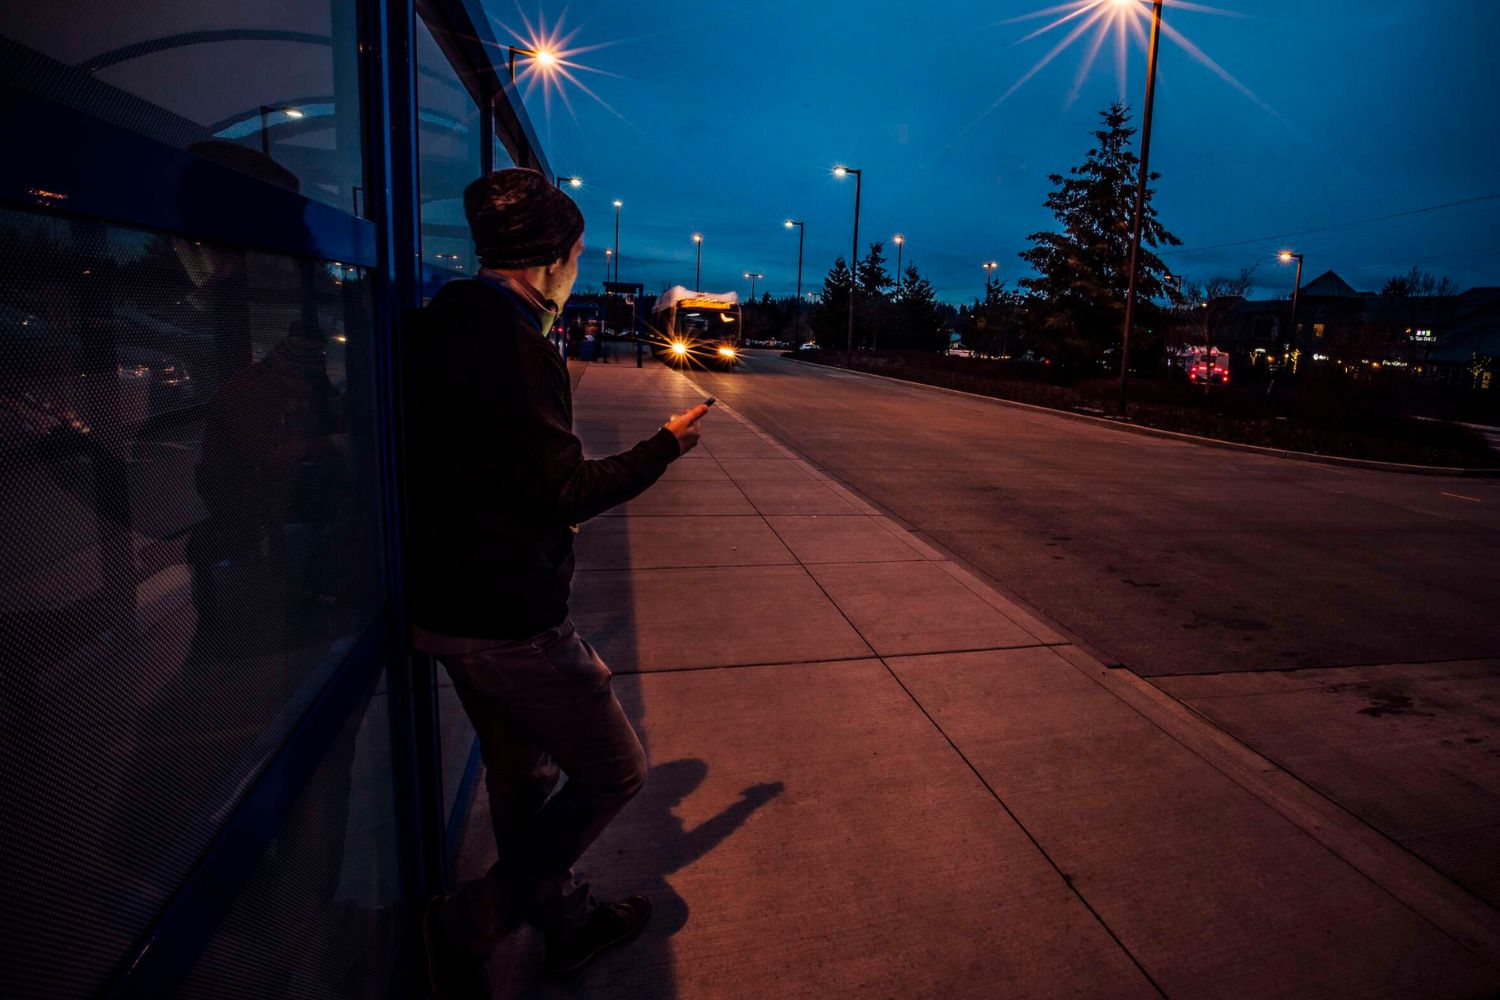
x: 575, y: 340
x: 498, y: 483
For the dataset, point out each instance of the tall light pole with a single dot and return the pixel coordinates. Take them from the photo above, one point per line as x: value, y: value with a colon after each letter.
x: 801, y: 234
x: 1286, y: 257
x: 754, y: 277
x: 1140, y: 200
x: 859, y: 179
x: 573, y: 182
x: 900, y: 242
x: 608, y: 255
x: 698, y: 274
x: 618, y: 203
x: 989, y: 269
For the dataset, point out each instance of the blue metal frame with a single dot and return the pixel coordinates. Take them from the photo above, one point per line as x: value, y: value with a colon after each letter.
x: 463, y: 804
x: 392, y: 174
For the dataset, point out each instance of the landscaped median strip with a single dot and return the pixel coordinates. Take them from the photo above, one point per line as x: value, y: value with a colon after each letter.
x: 1208, y: 442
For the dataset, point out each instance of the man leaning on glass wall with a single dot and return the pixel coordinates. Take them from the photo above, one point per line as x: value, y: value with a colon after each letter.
x: 498, y: 484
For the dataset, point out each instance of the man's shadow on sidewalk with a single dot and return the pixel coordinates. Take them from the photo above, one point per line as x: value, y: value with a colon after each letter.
x: 644, y: 967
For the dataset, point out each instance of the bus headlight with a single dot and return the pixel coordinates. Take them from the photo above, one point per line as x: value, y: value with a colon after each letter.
x: 726, y: 351
x: 679, y: 348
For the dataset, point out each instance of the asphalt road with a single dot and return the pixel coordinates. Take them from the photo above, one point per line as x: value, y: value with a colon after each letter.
x: 1168, y: 557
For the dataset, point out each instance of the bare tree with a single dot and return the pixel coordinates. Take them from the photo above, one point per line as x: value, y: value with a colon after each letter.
x: 1418, y: 303
x: 1204, y: 310
x: 1419, y: 284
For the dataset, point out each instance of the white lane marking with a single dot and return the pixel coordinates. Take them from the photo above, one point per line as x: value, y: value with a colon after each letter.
x: 1460, y: 496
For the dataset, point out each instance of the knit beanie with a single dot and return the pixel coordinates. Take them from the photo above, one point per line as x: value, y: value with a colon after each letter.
x: 519, y: 219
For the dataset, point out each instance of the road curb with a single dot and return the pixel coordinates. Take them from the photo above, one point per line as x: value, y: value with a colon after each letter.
x: 1456, y: 911
x: 1198, y: 439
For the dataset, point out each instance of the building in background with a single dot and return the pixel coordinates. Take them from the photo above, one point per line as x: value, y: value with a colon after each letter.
x: 1450, y: 339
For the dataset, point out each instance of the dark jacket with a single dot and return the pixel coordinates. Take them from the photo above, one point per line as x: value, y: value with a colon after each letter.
x: 495, y: 476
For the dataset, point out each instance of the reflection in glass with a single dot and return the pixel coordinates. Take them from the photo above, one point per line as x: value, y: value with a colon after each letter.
x: 185, y: 436
x: 282, y: 79
x: 449, y: 140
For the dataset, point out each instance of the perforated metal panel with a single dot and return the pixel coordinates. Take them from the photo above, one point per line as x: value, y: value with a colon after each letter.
x: 189, y: 543
x: 319, y: 915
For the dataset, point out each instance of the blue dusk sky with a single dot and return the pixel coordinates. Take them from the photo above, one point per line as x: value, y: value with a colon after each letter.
x: 1299, y: 123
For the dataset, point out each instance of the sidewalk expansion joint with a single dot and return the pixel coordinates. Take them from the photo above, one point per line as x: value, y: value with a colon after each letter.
x: 632, y: 569
x: 1051, y: 862
x: 871, y: 655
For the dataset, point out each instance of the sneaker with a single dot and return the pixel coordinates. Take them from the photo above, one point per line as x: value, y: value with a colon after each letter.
x: 452, y: 974
x: 610, y: 924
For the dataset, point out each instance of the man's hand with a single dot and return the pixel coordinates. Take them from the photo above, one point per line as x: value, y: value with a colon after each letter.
x: 685, y: 427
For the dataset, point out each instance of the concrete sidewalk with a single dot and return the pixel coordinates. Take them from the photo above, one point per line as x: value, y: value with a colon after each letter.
x: 872, y: 775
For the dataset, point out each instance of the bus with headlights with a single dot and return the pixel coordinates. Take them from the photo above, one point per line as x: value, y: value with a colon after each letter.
x: 697, y: 329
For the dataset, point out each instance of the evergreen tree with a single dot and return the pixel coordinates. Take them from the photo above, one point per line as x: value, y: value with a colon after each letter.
x: 871, y: 307
x: 831, y: 315
x: 1081, y: 278
x: 995, y: 323
x: 874, y: 279
x: 919, y: 320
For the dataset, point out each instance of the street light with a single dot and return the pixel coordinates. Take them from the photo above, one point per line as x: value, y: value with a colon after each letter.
x: 618, y: 203
x: 989, y: 270
x: 573, y: 182
x: 859, y: 179
x: 1286, y: 257
x: 542, y: 57
x: 698, y: 274
x: 608, y: 254
x: 753, y: 279
x: 900, y: 242
x: 801, y: 234
x: 1140, y: 198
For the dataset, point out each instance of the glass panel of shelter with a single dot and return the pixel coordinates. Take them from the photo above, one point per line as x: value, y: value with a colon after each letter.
x: 449, y: 138
x: 187, y: 428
